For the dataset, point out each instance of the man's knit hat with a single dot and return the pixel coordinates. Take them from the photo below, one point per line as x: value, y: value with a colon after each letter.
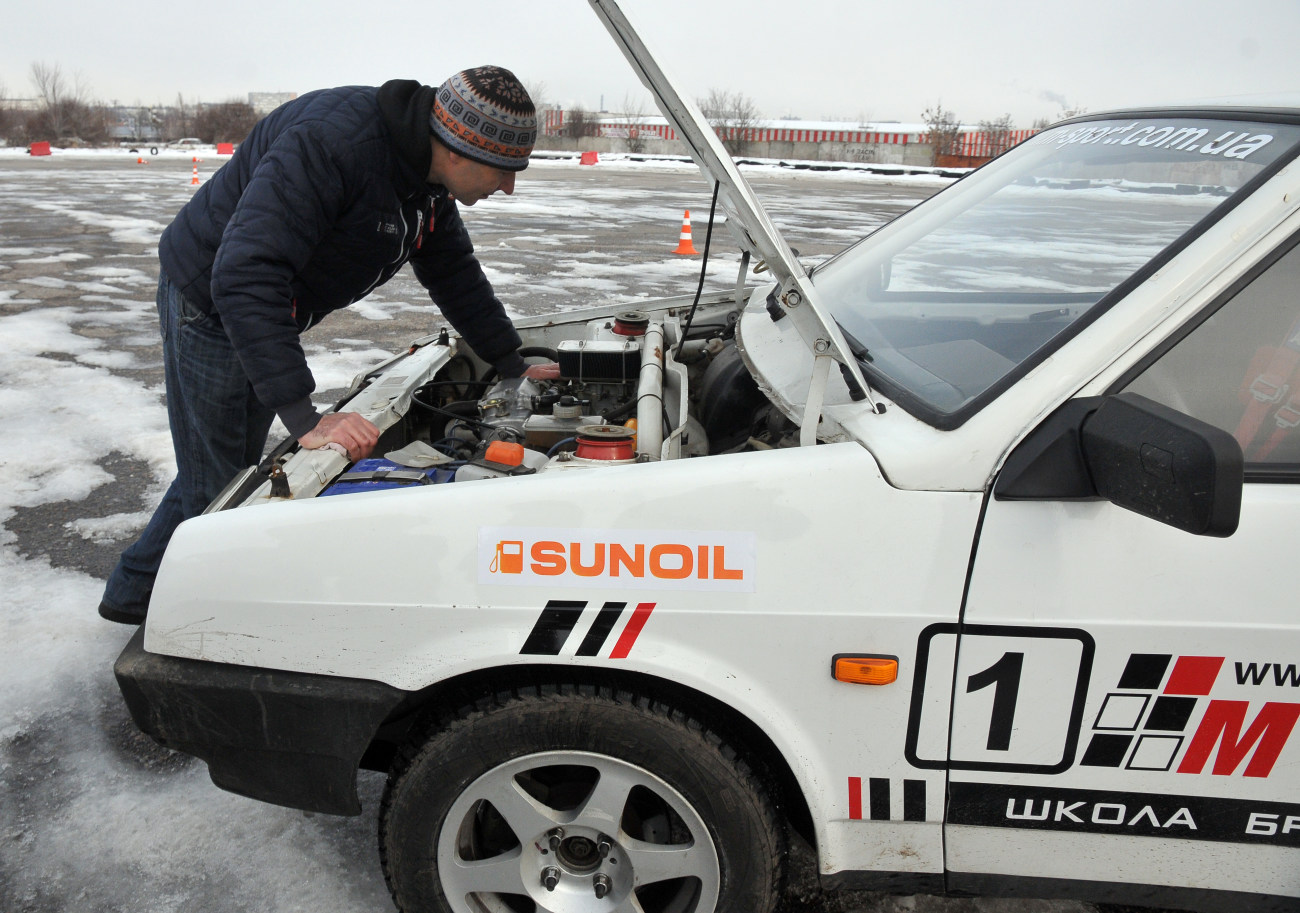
x: 485, y: 114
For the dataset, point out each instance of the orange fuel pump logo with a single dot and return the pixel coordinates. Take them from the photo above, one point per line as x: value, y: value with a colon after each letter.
x: 509, y: 558
x: 640, y: 559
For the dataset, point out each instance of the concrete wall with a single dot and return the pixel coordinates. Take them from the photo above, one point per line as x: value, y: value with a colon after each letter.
x: 915, y: 154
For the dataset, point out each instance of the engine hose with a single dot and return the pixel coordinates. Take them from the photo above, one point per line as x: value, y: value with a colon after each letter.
x: 447, y: 380
x: 451, y: 444
x: 464, y: 412
x: 622, y: 412
x: 556, y: 448
x: 462, y: 408
x: 704, y: 266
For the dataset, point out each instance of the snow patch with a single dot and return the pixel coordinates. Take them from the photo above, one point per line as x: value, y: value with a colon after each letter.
x: 114, y: 528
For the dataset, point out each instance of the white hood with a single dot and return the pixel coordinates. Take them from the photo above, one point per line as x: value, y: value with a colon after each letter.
x: 746, y: 218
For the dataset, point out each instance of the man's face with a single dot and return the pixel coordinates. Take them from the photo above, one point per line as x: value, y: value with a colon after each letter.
x: 470, y: 181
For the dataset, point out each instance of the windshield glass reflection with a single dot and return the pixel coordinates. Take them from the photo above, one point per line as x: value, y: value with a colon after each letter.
x: 955, y: 296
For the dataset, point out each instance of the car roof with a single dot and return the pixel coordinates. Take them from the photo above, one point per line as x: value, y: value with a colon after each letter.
x: 1283, y: 107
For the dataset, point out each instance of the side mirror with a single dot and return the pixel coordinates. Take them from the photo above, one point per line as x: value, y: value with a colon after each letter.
x: 1158, y: 462
x: 1137, y: 454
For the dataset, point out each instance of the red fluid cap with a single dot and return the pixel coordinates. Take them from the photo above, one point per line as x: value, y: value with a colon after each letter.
x: 605, y: 442
x: 631, y: 323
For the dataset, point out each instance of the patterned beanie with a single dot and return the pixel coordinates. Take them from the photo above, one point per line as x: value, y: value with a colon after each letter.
x: 485, y: 114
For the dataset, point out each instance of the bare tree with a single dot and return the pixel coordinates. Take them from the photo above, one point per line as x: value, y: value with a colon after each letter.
x: 178, y: 121
x: 579, y: 123
x: 998, y: 133
x: 634, y: 111
x: 51, y: 92
x: 1065, y: 113
x: 66, y: 111
x: 732, y: 115
x: 13, y: 123
x: 536, y: 90
x: 48, y: 81
x: 945, y: 131
x: 227, y: 122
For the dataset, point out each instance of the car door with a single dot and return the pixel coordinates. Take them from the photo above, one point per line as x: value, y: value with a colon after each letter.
x: 1125, y: 695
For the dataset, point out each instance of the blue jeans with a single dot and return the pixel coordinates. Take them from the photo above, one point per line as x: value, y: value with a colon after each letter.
x: 218, y: 428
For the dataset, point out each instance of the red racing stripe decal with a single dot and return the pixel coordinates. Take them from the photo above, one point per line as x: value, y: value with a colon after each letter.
x: 855, y: 798
x: 632, y: 631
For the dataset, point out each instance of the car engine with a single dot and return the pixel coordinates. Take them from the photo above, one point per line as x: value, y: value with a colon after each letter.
x: 626, y: 393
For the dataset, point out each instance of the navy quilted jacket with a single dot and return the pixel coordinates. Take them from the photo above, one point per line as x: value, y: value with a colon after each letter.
x: 325, y: 201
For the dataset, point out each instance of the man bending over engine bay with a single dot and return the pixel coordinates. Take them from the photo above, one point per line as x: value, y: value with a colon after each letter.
x: 327, y: 198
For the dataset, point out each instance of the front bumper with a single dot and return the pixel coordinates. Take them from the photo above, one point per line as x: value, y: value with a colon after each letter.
x: 289, y: 738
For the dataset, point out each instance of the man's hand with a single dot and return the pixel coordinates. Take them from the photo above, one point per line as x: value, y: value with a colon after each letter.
x: 351, y: 431
x: 548, y: 371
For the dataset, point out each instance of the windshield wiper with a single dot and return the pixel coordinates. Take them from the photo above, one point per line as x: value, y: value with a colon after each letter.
x: 856, y: 346
x: 863, y: 356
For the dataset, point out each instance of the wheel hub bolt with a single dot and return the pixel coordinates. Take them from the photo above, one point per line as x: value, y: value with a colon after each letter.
x: 600, y: 884
x: 604, y: 845
x: 551, y: 877
x: 556, y: 836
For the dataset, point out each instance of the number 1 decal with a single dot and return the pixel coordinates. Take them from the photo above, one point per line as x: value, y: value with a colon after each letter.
x: 1005, y: 676
x: 989, y: 721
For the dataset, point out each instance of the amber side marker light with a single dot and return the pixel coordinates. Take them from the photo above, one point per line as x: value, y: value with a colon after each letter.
x: 864, y: 670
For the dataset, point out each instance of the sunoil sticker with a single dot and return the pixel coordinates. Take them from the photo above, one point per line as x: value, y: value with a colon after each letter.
x: 632, y: 559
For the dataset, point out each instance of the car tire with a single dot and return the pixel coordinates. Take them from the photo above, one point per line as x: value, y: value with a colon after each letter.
x: 570, y: 797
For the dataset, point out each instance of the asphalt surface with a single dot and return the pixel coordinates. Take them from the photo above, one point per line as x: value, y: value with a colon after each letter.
x: 571, y: 237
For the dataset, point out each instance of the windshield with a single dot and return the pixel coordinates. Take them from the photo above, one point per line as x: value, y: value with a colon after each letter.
x: 958, y: 295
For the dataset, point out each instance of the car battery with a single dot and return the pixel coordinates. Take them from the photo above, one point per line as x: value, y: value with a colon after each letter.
x: 378, y: 474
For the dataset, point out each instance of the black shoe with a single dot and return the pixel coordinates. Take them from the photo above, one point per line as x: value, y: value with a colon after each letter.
x: 113, y: 612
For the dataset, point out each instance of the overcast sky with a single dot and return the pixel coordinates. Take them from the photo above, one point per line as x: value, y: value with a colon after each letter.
x: 813, y: 59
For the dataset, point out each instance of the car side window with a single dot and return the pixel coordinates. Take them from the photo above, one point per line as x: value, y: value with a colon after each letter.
x: 1240, y: 369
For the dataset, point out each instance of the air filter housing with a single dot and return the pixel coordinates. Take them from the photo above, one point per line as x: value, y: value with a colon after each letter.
x: 600, y: 360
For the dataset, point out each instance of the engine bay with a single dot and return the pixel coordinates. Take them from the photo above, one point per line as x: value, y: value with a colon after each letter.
x: 633, y: 386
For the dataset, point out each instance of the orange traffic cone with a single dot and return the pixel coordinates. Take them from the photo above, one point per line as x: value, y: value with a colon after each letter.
x: 684, y: 246
x: 142, y: 161
x: 194, y: 180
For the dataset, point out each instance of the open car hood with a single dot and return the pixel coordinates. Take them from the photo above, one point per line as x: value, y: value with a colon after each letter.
x: 746, y: 218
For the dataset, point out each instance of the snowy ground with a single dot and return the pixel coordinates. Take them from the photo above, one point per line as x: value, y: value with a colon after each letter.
x: 93, y: 816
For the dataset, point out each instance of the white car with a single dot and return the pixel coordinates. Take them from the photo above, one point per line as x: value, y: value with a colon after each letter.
x: 965, y: 557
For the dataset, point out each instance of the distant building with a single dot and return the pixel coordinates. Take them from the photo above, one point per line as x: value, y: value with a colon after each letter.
x: 133, y: 124
x: 884, y: 142
x: 264, y: 103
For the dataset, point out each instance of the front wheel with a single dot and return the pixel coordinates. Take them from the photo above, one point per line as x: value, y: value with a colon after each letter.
x: 569, y: 800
